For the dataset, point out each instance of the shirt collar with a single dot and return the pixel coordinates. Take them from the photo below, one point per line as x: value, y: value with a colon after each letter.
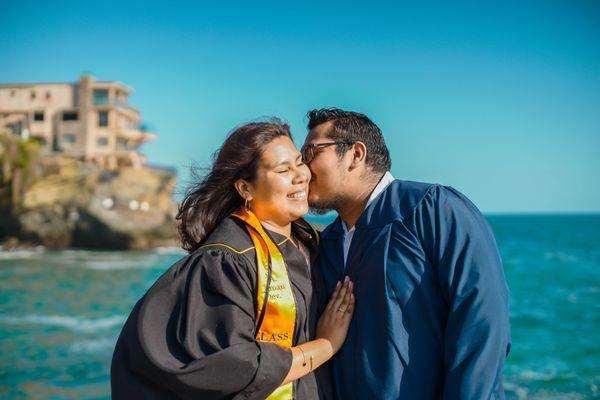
x: 383, y: 183
x: 385, y: 180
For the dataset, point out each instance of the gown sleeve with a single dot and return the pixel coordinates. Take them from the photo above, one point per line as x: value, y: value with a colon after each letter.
x: 209, y: 352
x: 460, y: 243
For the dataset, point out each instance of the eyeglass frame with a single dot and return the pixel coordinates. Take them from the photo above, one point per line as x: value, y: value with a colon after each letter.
x: 310, y: 148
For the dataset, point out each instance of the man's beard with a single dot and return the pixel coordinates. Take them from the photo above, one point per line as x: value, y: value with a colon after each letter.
x: 321, y: 207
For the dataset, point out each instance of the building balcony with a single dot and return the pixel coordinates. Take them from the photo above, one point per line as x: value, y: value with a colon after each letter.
x: 136, y: 135
x: 106, y: 103
x: 12, y: 118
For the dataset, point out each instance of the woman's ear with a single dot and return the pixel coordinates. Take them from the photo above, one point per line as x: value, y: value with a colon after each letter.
x: 359, y: 154
x: 244, y: 189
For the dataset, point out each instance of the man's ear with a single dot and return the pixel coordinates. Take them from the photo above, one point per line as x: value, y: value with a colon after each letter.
x: 244, y: 189
x: 359, y: 154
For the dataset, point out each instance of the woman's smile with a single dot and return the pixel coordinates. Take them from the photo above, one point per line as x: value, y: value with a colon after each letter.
x: 299, y: 195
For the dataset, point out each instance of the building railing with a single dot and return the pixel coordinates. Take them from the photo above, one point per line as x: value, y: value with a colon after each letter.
x: 116, y: 103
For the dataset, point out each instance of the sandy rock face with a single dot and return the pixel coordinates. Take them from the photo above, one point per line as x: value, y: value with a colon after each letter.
x: 80, y: 205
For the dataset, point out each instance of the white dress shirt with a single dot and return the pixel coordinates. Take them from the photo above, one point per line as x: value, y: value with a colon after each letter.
x: 349, y: 233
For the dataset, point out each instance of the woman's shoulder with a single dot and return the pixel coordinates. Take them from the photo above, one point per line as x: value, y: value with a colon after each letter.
x: 228, y: 247
x: 226, y: 253
x: 229, y: 237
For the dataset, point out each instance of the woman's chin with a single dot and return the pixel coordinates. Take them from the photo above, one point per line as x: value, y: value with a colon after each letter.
x: 299, y: 211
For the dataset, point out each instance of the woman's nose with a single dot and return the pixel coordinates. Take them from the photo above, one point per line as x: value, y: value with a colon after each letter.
x: 302, y: 175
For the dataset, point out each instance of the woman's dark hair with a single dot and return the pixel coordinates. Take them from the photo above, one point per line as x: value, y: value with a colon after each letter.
x: 214, y: 197
x: 352, y: 126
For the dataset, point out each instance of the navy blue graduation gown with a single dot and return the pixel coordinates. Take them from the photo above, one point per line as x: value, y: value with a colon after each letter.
x: 431, y: 317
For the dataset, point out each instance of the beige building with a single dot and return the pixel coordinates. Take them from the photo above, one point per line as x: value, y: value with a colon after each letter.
x: 88, y: 119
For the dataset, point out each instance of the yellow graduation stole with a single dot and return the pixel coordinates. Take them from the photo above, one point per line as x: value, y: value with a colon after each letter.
x: 276, y: 312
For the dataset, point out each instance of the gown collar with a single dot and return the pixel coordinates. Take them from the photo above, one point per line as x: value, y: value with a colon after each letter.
x: 378, y: 213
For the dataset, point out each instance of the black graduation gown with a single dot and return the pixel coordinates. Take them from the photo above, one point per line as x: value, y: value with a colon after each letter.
x: 192, y: 334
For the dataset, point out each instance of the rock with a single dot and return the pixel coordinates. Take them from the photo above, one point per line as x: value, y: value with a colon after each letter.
x: 76, y: 204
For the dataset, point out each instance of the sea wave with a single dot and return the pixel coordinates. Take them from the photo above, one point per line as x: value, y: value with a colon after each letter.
x: 20, y: 254
x: 76, y: 323
x: 92, y: 346
x: 537, y: 375
x: 519, y: 391
x: 169, y: 250
x: 555, y: 395
x: 562, y: 256
x: 118, y: 265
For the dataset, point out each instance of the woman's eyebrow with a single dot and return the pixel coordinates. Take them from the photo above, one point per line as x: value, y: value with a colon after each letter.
x: 281, y: 163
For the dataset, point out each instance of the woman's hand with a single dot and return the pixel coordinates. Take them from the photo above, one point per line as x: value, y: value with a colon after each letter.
x: 335, y: 320
x: 331, y: 333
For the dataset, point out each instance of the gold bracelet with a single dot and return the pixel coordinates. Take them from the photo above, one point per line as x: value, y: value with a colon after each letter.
x: 311, y: 362
x: 304, y: 357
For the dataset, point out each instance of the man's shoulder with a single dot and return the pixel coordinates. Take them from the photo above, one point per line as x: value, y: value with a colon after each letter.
x: 413, y: 190
x: 398, y: 201
x: 410, y: 196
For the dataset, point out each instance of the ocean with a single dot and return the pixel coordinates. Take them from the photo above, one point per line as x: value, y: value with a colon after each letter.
x: 61, y: 311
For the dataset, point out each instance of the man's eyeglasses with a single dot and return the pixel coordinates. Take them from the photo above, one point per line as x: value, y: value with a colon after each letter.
x: 308, y: 150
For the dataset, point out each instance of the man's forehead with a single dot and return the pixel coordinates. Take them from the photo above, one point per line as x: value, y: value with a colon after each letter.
x: 319, y: 132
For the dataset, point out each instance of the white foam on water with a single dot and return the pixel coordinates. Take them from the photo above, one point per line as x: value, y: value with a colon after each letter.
x: 521, y: 392
x: 536, y: 375
x: 72, y: 253
x: 117, y: 265
x: 111, y: 265
x: 79, y: 324
x: 560, y: 256
x: 105, y: 261
x: 555, y: 395
x: 169, y: 250
x: 91, y: 346
x: 20, y: 254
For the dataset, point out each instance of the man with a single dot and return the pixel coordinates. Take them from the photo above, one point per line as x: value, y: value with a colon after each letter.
x: 431, y: 314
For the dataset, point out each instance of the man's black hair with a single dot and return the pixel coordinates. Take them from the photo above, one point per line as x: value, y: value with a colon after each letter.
x: 352, y: 126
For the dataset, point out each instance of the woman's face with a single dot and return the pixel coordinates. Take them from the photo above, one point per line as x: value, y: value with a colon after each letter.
x: 279, y: 193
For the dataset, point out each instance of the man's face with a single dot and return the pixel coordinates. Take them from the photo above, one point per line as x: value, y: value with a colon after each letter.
x: 327, y: 171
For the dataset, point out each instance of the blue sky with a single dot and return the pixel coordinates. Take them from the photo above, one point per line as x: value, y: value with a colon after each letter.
x: 501, y: 101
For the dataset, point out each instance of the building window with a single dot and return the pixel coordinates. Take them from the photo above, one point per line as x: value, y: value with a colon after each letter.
x: 123, y: 145
x: 69, y: 138
x: 70, y: 116
x: 100, y: 97
x: 12, y: 93
x: 102, y: 118
x: 38, y: 116
x: 32, y: 95
x: 102, y: 141
x: 48, y: 95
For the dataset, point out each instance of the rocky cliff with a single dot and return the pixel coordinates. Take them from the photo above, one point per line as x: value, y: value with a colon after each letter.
x: 76, y: 204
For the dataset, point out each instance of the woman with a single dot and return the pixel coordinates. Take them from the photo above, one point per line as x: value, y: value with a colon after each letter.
x: 237, y: 317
